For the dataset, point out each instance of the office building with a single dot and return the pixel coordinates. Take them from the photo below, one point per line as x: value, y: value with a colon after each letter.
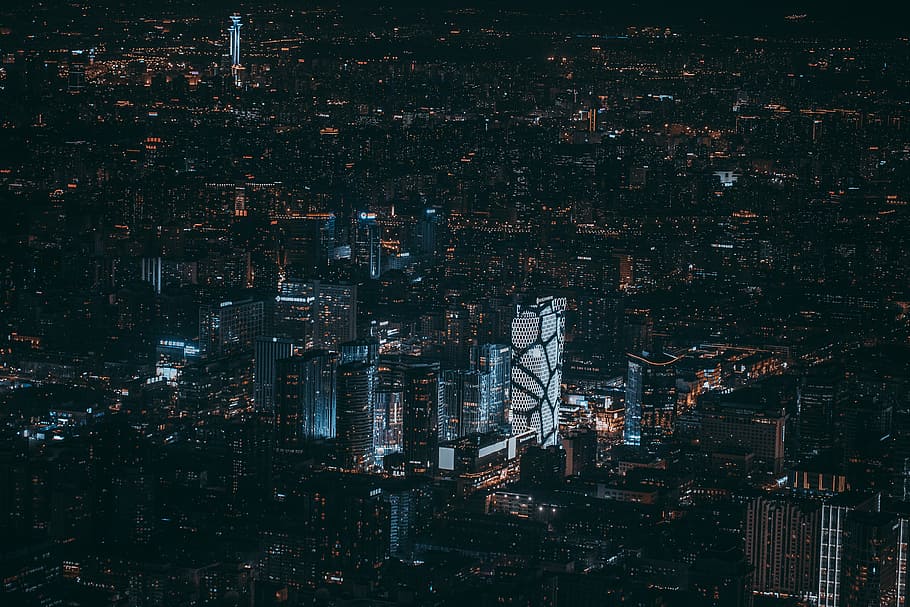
x: 782, y: 544
x: 388, y: 414
x: 741, y: 420
x: 428, y: 229
x: 494, y: 361
x: 651, y: 400
x: 834, y: 515
x: 367, y: 249
x: 230, y: 327
x: 234, y: 40
x: 336, y: 314
x: 356, y: 386
x: 817, y: 403
x: 421, y: 396
x: 152, y: 272
x: 538, y: 333
x: 364, y: 350
x: 315, y: 312
x: 466, y: 397
x: 268, y: 351
x: 874, y: 560
x: 305, y: 397
x: 307, y: 241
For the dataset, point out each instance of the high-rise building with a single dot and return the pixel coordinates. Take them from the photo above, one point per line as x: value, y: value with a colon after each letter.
x: 831, y: 547
x: 388, y: 412
x: 230, y: 327
x: 538, y: 332
x: 152, y: 272
x: 305, y: 397
x: 317, y: 312
x: 782, y: 546
x: 234, y: 40
x: 409, y: 503
x: 428, y: 231
x: 364, y: 350
x: 307, y: 240
x: 466, y: 397
x: 455, y: 343
x: 580, y: 445
x: 495, y: 361
x: 741, y: 420
x: 269, y: 350
x: 354, y: 420
x: 295, y: 310
x: 336, y: 314
x: 874, y: 561
x: 650, y: 400
x: 421, y: 388
x: 367, y: 249
x: 817, y: 406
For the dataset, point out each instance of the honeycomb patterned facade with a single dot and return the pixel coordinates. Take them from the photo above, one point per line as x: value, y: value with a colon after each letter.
x: 538, y: 334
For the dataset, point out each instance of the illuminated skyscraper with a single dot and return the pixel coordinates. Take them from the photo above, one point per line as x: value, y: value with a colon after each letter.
x: 495, y: 362
x: 151, y: 272
x: 538, y: 334
x: 325, y: 314
x: 420, y: 424
x: 782, y: 545
x: 305, y: 397
x: 650, y: 399
x: 367, y: 250
x: 354, y: 422
x: 831, y: 553
x: 466, y: 397
x: 230, y: 327
x: 365, y: 350
x: 234, y: 34
x: 269, y: 350
x: 428, y: 231
x: 336, y: 314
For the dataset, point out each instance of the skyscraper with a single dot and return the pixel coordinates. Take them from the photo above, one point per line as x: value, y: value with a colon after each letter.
x: 420, y: 385
x: 388, y: 411
x: 428, y: 231
x: 364, y: 350
x: 495, y: 361
x: 305, y: 397
x: 466, y: 396
x: 782, y: 546
x: 538, y: 332
x: 650, y: 399
x: 354, y: 420
x: 316, y: 312
x: 367, y: 250
x: 819, y: 393
x: 234, y: 35
x: 151, y: 272
x: 874, y: 563
x: 307, y: 240
x: 230, y: 327
x: 336, y: 314
x: 831, y: 550
x: 269, y: 350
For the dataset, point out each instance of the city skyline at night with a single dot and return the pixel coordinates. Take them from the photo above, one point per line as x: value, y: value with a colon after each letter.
x: 396, y: 304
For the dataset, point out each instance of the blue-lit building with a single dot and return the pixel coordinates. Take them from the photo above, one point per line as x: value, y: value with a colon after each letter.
x: 494, y: 363
x: 305, y: 400
x: 354, y: 430
x: 269, y: 350
x: 367, y: 250
x: 651, y: 399
x: 234, y: 39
